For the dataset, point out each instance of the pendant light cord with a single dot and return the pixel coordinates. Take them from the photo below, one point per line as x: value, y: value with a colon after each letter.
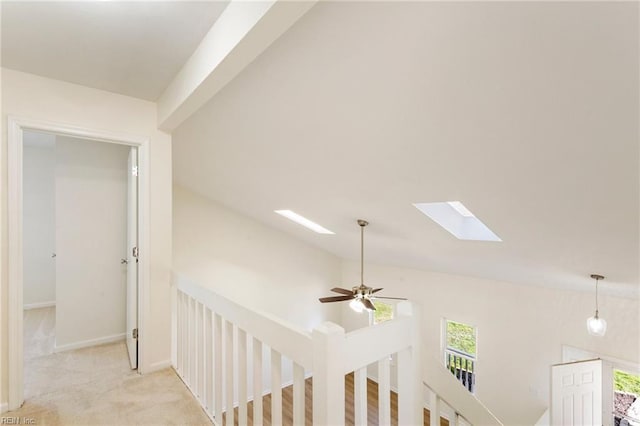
x: 597, y: 279
x: 361, y: 255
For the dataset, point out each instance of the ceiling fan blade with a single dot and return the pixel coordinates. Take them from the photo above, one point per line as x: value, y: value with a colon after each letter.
x: 375, y: 290
x: 342, y: 291
x: 368, y: 304
x: 335, y: 299
x: 394, y: 298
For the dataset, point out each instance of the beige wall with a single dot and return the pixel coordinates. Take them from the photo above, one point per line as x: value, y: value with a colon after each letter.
x: 29, y: 96
x: 520, y: 329
x: 250, y: 263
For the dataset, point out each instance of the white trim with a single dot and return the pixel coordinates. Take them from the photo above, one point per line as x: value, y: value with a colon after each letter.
x: 14, y: 213
x: 160, y: 365
x: 571, y: 353
x: 90, y: 342
x: 4, y: 407
x: 39, y: 305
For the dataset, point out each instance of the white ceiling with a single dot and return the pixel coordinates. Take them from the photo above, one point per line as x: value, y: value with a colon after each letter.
x: 527, y: 112
x: 133, y: 48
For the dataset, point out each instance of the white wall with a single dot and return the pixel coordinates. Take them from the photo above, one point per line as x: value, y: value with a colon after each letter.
x: 26, y: 95
x: 39, y: 224
x: 250, y: 263
x: 520, y: 330
x: 91, y: 238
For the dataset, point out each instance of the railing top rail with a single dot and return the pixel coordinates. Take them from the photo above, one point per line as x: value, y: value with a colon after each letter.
x: 290, y: 340
x: 360, y: 346
x: 440, y: 381
x: 461, y: 353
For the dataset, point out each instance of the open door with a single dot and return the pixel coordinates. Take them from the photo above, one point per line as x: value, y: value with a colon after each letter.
x: 576, y: 393
x: 132, y: 259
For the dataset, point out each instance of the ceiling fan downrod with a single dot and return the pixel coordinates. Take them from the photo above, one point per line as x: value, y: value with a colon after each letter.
x: 362, y: 224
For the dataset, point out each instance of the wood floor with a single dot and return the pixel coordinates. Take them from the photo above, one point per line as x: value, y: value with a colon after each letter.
x: 372, y: 406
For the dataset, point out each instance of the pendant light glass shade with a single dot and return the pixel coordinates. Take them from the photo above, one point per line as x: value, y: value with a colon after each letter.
x: 596, y: 326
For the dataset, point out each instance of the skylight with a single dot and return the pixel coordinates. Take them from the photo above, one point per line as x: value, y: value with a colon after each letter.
x: 458, y: 220
x: 303, y: 221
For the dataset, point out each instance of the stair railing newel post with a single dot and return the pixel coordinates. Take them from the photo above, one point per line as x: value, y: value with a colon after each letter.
x: 328, y: 341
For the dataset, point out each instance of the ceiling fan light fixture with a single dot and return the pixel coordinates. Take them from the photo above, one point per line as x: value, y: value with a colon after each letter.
x: 356, y: 305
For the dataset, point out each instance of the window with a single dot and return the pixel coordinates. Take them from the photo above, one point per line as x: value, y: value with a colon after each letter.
x: 626, y: 398
x: 383, y: 312
x: 460, y: 352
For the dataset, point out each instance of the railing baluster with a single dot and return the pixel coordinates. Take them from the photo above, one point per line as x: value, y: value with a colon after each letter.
x: 185, y: 349
x: 208, y: 342
x: 276, y: 388
x: 228, y: 376
x: 179, y: 332
x: 384, y: 392
x: 257, y: 382
x: 360, y: 396
x: 434, y: 408
x: 200, y: 352
x: 242, y: 377
x: 192, y: 343
x: 217, y: 360
x: 298, y: 395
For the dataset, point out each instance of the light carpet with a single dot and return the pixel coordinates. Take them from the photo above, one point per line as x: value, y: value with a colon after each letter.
x: 96, y: 386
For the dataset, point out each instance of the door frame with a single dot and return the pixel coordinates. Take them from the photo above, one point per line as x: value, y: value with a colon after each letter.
x: 16, y: 128
x: 609, y: 363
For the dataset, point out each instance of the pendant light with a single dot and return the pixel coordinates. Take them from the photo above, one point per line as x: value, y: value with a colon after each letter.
x: 596, y: 325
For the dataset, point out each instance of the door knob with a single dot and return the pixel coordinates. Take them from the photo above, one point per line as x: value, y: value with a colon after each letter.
x: 123, y: 261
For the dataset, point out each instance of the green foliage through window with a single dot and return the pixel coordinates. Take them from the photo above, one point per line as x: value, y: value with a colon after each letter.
x: 625, y: 382
x: 461, y: 337
x: 383, y: 312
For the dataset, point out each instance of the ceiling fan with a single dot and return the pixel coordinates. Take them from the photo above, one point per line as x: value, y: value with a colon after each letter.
x: 361, y: 296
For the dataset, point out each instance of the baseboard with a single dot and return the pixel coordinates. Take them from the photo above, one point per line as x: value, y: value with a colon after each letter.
x: 161, y: 365
x: 39, y: 305
x: 4, y: 407
x: 90, y: 342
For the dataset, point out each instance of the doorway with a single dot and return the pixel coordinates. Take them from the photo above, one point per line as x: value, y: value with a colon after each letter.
x: 620, y: 386
x: 136, y: 188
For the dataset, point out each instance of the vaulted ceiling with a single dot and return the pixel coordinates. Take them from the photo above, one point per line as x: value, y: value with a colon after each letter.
x: 133, y: 48
x: 527, y: 112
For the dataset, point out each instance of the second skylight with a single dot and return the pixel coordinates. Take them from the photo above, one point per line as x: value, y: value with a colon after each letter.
x: 458, y: 220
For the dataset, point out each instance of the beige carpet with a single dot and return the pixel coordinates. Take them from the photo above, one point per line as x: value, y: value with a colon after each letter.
x: 95, y: 386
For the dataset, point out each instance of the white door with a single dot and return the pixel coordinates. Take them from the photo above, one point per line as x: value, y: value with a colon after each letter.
x: 132, y: 259
x: 576, y: 393
x: 91, y: 224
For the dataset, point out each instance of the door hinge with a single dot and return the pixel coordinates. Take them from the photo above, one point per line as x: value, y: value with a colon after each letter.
x: 135, y: 333
x: 134, y: 252
x: 134, y: 171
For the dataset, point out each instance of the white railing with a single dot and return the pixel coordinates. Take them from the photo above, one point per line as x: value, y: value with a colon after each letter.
x: 218, y: 343
x: 462, y: 366
x: 230, y: 356
x: 213, y: 338
x: 444, y: 390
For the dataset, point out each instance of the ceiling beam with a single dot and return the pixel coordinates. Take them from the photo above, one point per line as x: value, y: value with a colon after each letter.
x: 243, y: 31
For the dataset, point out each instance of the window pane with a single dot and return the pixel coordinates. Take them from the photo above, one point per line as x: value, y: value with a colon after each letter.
x: 383, y: 312
x: 626, y: 397
x: 461, y: 337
